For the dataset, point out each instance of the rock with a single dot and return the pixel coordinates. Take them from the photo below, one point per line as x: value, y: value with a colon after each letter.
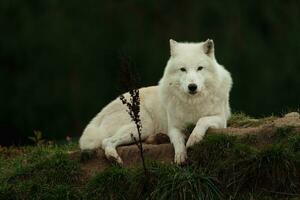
x: 290, y: 119
x: 292, y: 115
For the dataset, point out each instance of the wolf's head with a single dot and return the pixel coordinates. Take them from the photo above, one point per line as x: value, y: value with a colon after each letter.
x: 190, y: 67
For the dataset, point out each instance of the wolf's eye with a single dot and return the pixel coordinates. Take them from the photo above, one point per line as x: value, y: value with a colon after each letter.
x: 182, y: 69
x: 199, y: 68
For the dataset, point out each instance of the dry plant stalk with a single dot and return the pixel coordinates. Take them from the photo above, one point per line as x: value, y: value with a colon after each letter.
x: 133, y: 105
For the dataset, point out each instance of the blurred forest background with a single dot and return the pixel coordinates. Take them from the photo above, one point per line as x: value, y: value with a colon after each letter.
x: 59, y: 60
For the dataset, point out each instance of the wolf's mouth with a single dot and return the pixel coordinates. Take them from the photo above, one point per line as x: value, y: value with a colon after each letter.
x: 192, y: 92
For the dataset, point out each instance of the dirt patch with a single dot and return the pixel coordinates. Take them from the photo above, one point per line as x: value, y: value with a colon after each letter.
x: 95, y: 161
x: 263, y: 129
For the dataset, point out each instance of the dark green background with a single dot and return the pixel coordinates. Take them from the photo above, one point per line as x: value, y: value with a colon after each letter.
x: 59, y: 60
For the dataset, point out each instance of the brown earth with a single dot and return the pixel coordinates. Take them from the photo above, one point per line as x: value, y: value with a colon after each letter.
x: 161, y: 150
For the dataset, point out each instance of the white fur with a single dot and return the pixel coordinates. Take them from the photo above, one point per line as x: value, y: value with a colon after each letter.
x: 169, y: 107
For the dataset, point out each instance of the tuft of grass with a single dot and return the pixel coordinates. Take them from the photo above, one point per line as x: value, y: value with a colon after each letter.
x: 243, y: 121
x: 210, y: 153
x: 112, y: 183
x: 272, y: 169
x: 162, y: 182
x: 142, y: 186
x: 294, y: 143
x: 283, y: 133
x: 270, y: 172
x: 185, y: 183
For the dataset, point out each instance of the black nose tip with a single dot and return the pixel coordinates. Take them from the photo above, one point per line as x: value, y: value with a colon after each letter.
x: 192, y: 87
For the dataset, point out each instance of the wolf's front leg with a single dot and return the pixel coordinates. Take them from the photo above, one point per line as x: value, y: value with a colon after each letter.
x: 177, y: 139
x: 201, y: 127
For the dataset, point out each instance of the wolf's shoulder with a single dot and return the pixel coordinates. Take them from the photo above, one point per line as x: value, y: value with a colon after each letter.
x: 226, y: 79
x: 149, y: 91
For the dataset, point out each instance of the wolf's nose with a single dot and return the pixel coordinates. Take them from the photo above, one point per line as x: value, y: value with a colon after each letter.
x: 192, y: 87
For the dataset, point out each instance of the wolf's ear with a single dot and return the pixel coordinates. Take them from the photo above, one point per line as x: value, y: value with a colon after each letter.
x: 173, y: 45
x: 208, y: 47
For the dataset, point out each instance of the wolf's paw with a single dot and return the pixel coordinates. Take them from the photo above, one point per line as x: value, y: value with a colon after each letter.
x: 112, y: 155
x: 193, y: 139
x: 180, y: 158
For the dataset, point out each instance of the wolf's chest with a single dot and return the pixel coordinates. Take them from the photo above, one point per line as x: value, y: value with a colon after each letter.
x: 191, y: 113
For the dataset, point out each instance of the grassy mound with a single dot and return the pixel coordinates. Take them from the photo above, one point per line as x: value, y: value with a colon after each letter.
x: 41, y: 173
x: 220, y: 167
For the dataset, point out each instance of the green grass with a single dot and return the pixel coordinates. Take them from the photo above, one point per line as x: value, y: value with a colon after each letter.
x: 244, y: 169
x: 112, y: 183
x: 220, y: 167
x: 185, y: 183
x: 39, y: 173
x: 242, y: 120
x: 294, y: 144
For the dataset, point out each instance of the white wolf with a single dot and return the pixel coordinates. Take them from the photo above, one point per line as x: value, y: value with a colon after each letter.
x: 193, y: 90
